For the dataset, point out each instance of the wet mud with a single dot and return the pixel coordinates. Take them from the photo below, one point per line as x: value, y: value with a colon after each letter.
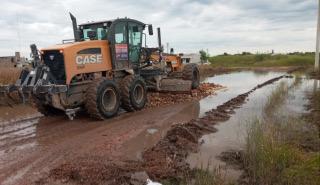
x: 30, y: 148
x: 166, y: 159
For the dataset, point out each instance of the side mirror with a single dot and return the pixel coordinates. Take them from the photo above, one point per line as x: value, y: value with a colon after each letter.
x: 150, y: 29
x: 92, y: 35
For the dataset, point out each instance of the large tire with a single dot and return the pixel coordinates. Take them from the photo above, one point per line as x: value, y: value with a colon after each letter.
x: 191, y: 72
x: 103, y: 99
x: 133, y: 93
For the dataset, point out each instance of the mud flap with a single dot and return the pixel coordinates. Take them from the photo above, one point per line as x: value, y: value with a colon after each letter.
x: 174, y: 85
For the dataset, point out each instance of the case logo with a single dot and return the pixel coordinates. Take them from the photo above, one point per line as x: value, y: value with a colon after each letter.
x: 88, y: 59
x: 88, y: 56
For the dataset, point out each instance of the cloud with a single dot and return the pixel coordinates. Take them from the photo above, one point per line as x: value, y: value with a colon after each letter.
x: 188, y: 25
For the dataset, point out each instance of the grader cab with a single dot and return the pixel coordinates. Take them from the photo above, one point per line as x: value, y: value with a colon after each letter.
x: 104, y: 67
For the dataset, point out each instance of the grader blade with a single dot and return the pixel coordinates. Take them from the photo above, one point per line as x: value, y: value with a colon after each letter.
x: 175, y: 85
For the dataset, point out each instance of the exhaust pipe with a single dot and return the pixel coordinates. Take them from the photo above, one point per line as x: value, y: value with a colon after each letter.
x: 75, y: 28
x: 159, y: 39
x: 159, y: 44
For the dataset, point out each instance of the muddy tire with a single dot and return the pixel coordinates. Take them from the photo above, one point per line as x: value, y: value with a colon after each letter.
x: 44, y: 109
x: 103, y: 99
x: 191, y: 72
x: 133, y: 93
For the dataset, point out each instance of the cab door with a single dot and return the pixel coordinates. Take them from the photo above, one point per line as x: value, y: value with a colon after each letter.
x: 135, y: 40
x: 120, y: 48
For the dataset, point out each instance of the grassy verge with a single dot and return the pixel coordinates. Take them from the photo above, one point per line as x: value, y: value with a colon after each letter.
x: 262, y: 60
x: 282, y: 148
x: 9, y: 75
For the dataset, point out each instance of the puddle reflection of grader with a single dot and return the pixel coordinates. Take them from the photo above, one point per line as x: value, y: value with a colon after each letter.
x: 103, y: 68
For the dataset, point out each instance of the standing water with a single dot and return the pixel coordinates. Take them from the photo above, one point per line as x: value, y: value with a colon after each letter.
x: 231, y: 134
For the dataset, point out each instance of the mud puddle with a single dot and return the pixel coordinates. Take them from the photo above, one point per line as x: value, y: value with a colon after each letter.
x: 236, y: 83
x: 17, y: 113
x: 230, y: 135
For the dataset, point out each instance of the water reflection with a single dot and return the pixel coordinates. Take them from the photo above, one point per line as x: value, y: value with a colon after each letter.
x: 231, y: 134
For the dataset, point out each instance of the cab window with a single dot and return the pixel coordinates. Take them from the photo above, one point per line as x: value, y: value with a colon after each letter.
x: 135, y: 39
x: 120, y: 33
x: 101, y: 33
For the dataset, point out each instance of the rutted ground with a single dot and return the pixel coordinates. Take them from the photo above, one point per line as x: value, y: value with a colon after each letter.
x: 56, y: 150
x: 31, y: 146
x: 166, y: 159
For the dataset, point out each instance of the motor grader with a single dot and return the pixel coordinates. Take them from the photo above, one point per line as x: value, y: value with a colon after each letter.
x: 103, y: 68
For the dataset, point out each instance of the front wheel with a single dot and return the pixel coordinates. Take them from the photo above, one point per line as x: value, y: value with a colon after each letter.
x: 133, y: 93
x: 103, y: 99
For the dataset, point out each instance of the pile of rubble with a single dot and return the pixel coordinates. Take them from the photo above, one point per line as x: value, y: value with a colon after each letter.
x: 156, y: 99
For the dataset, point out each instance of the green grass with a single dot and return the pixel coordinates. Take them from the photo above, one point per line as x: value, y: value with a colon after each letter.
x: 272, y: 156
x: 262, y: 60
x: 282, y: 148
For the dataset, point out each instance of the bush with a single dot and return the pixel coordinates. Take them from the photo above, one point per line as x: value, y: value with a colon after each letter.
x: 261, y: 57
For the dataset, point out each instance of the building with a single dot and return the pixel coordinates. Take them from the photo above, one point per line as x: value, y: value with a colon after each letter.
x: 191, y: 58
x: 13, y: 61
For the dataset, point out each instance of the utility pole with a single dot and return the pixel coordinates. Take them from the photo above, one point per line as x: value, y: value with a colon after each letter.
x: 316, y: 62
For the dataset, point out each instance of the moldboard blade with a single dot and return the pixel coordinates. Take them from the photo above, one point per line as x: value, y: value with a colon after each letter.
x: 175, y: 85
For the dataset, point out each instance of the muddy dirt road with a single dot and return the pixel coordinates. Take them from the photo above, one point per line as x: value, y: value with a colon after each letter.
x: 30, y: 149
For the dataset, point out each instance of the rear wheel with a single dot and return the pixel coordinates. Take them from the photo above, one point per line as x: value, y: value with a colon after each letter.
x: 133, y: 93
x: 103, y: 99
x: 191, y: 72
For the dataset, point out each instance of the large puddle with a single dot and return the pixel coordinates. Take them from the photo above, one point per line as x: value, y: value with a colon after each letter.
x: 231, y: 134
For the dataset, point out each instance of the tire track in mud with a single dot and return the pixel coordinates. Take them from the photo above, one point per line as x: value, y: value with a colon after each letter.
x: 167, y: 159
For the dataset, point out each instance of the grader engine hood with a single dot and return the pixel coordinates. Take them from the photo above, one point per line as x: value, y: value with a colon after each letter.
x: 77, y: 58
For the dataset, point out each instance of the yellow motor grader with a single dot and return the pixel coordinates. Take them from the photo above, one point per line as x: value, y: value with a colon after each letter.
x: 103, y: 68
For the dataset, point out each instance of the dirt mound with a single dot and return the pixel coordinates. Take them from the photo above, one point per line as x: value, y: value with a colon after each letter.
x: 156, y: 99
x: 168, y: 158
x: 314, y: 75
x: 93, y: 170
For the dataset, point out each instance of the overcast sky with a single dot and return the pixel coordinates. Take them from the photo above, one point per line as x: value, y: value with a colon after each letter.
x: 217, y: 25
